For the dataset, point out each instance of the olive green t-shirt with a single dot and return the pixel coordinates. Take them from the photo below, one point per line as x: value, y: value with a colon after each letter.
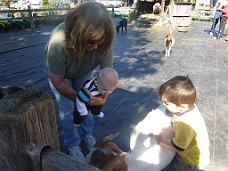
x: 61, y: 61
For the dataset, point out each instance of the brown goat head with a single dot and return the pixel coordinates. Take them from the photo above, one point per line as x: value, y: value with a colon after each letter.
x: 107, y: 156
x: 106, y: 144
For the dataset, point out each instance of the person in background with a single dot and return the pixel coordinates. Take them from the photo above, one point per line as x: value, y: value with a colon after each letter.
x: 217, y: 14
x: 223, y: 20
x: 75, y: 48
x: 191, y: 141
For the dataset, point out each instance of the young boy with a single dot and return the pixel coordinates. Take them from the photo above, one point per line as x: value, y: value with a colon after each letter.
x: 191, y: 142
x: 105, y: 82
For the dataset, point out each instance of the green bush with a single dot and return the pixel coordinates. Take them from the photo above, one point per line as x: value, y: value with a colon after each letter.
x: 21, y: 24
x: 2, y: 25
x: 25, y: 13
x: 13, y: 24
x: 24, y: 24
x: 36, y: 22
x: 10, y: 15
x: 45, y: 2
x: 7, y: 24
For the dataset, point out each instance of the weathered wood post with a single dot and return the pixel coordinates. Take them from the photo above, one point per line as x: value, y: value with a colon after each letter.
x: 30, y: 17
x: 112, y: 11
x: 27, y: 125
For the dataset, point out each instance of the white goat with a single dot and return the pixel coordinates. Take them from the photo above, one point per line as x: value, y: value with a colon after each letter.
x: 146, y: 154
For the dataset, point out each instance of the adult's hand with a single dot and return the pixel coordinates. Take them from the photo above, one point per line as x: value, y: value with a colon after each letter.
x: 62, y: 87
x: 97, y: 101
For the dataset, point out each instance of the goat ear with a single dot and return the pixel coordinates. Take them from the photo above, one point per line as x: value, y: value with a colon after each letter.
x: 110, y: 137
x: 108, y: 152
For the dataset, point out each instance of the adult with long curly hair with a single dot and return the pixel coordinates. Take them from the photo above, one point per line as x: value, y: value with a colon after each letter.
x: 75, y: 48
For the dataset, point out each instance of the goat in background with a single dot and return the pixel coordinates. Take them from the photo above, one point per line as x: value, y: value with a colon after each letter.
x: 169, y: 42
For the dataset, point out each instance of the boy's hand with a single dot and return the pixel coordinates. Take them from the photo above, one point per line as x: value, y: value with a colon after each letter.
x: 157, y: 137
x: 97, y: 101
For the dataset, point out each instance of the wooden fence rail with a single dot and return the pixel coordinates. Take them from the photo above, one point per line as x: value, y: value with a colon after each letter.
x: 32, y: 14
x: 54, y: 160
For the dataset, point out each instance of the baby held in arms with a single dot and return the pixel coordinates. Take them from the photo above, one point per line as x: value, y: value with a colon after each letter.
x: 102, y: 83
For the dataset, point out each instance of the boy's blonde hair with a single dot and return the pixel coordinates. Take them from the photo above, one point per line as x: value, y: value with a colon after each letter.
x: 178, y: 90
x: 89, y: 23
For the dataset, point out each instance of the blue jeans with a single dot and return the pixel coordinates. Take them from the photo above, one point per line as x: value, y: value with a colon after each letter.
x: 66, y: 108
x: 215, y: 21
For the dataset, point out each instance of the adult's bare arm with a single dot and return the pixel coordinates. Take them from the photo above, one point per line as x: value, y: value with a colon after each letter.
x: 62, y: 86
